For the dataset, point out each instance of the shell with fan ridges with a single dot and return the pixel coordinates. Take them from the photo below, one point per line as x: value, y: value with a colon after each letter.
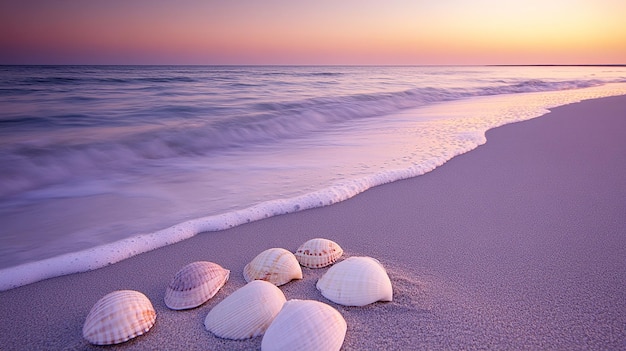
x: 247, y: 312
x: 356, y: 281
x: 119, y: 316
x: 277, y: 266
x: 194, y: 284
x: 318, y: 253
x: 305, y: 325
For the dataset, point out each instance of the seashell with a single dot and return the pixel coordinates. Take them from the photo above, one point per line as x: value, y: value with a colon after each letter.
x: 195, y: 284
x: 119, y: 316
x: 277, y: 266
x: 318, y: 253
x: 305, y: 325
x: 356, y: 281
x: 247, y: 312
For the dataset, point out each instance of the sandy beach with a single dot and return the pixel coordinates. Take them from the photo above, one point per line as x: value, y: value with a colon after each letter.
x: 519, y: 244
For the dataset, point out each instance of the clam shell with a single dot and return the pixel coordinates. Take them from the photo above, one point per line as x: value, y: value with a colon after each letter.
x: 119, y: 316
x: 247, y: 312
x: 305, y: 325
x: 194, y: 284
x: 277, y: 266
x: 356, y: 281
x: 318, y: 253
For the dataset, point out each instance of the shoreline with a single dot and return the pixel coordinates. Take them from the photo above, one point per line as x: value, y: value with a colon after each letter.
x: 75, y: 250
x: 491, y: 250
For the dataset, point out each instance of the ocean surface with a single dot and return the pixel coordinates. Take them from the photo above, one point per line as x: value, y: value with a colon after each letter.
x: 100, y: 163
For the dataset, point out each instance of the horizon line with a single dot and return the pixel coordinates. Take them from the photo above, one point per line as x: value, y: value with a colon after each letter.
x: 323, y: 65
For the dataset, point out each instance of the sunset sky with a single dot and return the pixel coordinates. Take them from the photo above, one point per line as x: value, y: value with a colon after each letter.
x: 312, y: 32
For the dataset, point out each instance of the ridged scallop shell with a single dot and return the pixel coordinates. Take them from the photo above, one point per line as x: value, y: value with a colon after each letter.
x: 247, y: 312
x: 195, y: 284
x: 119, y: 316
x: 277, y: 266
x: 356, y: 281
x: 305, y: 325
x: 318, y: 253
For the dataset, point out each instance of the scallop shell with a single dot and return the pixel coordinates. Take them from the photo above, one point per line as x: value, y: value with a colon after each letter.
x: 119, y: 316
x: 247, y: 312
x: 195, y: 284
x: 277, y: 266
x: 356, y: 281
x: 318, y: 253
x: 305, y: 325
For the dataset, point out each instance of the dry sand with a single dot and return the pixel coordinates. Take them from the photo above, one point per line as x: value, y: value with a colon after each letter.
x: 519, y: 244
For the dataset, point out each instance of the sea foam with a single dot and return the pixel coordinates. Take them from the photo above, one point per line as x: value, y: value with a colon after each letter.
x: 108, y: 254
x: 373, y: 137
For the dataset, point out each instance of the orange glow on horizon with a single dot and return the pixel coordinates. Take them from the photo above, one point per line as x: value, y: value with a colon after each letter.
x: 325, y: 32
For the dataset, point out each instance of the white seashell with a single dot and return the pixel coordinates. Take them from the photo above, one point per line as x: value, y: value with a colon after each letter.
x: 318, y: 253
x: 277, y: 266
x: 305, y: 325
x: 195, y: 284
x: 119, y: 316
x: 247, y: 312
x: 356, y: 281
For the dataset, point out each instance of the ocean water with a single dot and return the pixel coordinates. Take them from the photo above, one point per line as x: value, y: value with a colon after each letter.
x: 100, y: 163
